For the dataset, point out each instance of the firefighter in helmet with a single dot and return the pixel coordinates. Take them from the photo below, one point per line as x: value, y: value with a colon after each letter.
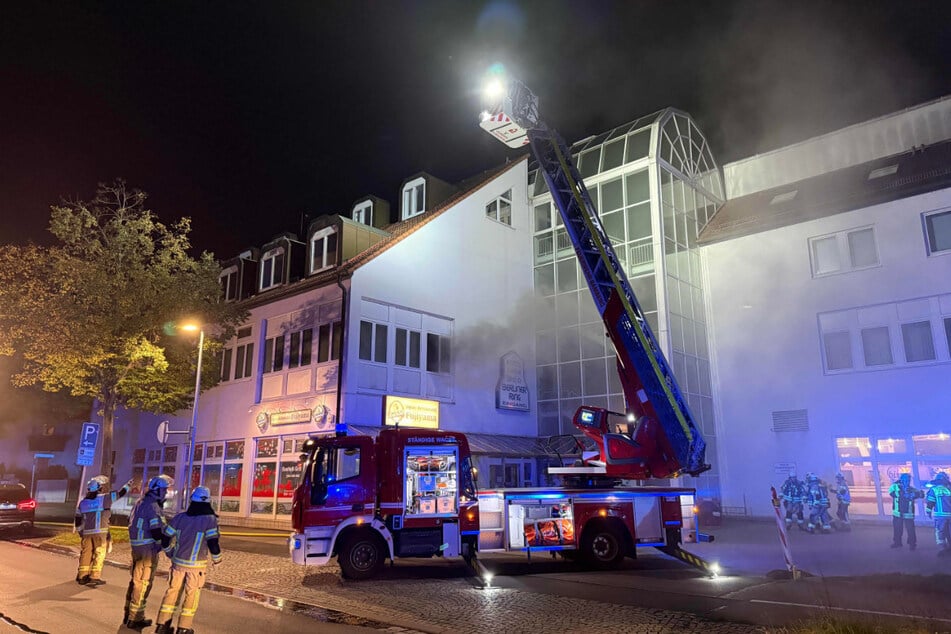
x: 146, y: 523
x: 938, y: 507
x: 92, y: 521
x: 793, y: 491
x: 817, y: 495
x: 843, y: 497
x: 187, y: 540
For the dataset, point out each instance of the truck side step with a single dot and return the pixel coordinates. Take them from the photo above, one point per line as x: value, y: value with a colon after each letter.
x: 675, y: 551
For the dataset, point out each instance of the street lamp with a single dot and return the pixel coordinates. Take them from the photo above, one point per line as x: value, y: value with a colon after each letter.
x: 192, y: 327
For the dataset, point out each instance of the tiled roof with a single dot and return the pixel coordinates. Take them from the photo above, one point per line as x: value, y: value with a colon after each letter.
x: 924, y: 169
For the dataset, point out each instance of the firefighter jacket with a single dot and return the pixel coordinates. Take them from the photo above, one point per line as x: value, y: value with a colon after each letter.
x: 938, y: 501
x: 817, y: 495
x: 793, y: 490
x: 145, y: 525
x: 903, y: 499
x: 92, y: 515
x: 842, y: 494
x: 191, y: 535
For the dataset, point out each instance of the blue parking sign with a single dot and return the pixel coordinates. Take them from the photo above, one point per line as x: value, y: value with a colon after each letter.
x: 88, y: 442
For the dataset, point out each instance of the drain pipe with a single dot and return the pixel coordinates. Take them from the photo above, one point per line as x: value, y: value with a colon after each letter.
x: 344, y: 297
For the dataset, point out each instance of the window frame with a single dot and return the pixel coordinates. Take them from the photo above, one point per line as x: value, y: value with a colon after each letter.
x: 228, y: 279
x: 273, y: 263
x: 493, y: 208
x: 929, y: 241
x: 441, y: 359
x: 363, y: 213
x: 379, y: 333
x: 413, y: 198
x: 323, y: 237
x: 843, y: 252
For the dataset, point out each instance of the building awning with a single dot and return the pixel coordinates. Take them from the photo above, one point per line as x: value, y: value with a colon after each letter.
x: 499, y: 444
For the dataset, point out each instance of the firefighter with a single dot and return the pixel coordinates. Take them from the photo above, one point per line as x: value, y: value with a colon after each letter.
x: 938, y: 506
x: 817, y: 496
x: 187, y: 540
x: 146, y: 523
x: 903, y: 496
x: 843, y: 497
x: 793, y: 491
x: 92, y: 521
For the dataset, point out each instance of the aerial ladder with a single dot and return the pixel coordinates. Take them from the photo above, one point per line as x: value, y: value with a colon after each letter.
x: 660, y: 438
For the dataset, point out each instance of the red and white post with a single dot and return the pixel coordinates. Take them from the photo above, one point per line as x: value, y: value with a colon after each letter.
x: 783, y: 538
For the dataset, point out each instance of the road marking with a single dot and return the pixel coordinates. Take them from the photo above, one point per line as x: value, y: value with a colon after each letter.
x: 829, y: 607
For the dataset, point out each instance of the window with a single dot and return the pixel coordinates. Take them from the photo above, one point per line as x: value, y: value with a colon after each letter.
x: 407, y: 347
x: 918, y: 340
x: 300, y: 348
x: 243, y: 358
x: 272, y: 268
x: 938, y: 231
x: 363, y: 213
x: 838, y: 350
x: 883, y: 171
x: 323, y: 249
x: 414, y: 198
x: 876, y: 346
x: 543, y: 217
x: 844, y: 251
x: 500, y: 209
x: 229, y: 283
x: 274, y: 354
x: 437, y: 353
x: 226, y: 364
x: 328, y: 342
x: 373, y: 342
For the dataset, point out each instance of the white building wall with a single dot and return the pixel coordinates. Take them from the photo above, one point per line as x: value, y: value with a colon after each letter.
x: 474, y: 271
x: 764, y: 304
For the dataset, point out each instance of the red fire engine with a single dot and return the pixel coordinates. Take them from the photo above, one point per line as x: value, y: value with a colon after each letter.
x: 411, y: 492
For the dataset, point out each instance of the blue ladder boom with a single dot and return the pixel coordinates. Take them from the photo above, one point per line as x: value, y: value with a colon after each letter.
x: 654, y: 386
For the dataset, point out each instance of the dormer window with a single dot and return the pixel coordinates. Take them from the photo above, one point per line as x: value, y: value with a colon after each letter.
x: 323, y: 249
x: 414, y: 198
x: 363, y: 213
x: 229, y: 283
x: 272, y: 268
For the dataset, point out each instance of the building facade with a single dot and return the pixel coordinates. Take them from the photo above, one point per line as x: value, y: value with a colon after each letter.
x: 829, y: 283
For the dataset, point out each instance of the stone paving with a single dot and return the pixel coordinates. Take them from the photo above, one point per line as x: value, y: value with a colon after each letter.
x: 450, y: 604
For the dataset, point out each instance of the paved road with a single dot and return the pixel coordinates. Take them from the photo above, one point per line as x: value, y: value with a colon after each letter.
x: 41, y: 596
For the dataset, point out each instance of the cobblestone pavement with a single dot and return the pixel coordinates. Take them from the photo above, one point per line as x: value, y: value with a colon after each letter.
x: 460, y: 605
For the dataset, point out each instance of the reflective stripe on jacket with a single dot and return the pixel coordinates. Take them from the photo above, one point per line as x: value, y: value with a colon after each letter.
x: 190, y: 535
x: 95, y: 513
x: 939, y: 500
x: 903, y: 500
x: 145, y: 517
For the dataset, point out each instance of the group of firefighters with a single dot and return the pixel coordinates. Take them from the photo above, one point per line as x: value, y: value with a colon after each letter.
x: 813, y: 494
x: 187, y: 539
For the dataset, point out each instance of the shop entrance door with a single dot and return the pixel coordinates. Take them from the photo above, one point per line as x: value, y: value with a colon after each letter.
x: 511, y: 472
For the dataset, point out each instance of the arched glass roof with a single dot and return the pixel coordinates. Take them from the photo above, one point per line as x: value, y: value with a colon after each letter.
x: 681, y: 144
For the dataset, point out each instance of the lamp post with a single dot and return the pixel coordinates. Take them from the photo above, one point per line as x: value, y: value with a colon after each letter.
x: 191, y: 429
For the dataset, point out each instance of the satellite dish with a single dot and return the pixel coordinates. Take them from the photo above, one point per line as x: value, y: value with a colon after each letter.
x: 162, y: 432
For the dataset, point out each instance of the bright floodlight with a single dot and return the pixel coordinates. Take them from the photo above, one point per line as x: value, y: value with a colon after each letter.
x: 630, y: 417
x: 190, y: 327
x: 488, y: 579
x: 494, y: 89
x: 715, y: 570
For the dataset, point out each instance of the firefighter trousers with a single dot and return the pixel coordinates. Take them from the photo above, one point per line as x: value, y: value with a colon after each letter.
x: 184, y: 583
x: 92, y: 554
x: 143, y: 574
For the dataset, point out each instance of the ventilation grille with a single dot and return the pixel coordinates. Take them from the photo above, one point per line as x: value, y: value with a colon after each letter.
x: 791, y: 420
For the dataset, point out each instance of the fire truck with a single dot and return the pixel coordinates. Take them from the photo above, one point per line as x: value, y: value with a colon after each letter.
x: 411, y: 492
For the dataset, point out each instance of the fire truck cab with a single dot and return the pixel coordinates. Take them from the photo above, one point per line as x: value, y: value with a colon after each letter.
x: 405, y: 493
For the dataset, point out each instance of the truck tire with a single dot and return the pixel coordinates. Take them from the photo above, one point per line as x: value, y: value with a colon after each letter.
x: 361, y: 556
x: 602, y: 547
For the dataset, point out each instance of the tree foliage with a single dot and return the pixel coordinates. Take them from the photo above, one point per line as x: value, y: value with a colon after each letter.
x: 89, y: 315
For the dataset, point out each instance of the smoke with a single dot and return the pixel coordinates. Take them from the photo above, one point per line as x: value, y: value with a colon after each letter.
x: 778, y: 73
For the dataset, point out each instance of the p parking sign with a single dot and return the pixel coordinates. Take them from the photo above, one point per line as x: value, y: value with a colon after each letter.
x: 88, y: 443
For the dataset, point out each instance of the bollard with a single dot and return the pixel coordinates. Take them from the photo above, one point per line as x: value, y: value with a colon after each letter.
x: 783, y: 538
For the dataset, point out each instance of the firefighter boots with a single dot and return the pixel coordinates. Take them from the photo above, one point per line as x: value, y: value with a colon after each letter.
x: 165, y: 628
x: 184, y: 630
x: 82, y: 580
x: 138, y: 625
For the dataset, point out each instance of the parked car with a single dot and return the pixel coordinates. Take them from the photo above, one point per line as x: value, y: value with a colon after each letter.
x: 17, y: 508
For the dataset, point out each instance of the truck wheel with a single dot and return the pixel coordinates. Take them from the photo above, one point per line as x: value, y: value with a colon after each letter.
x: 361, y: 556
x: 602, y: 547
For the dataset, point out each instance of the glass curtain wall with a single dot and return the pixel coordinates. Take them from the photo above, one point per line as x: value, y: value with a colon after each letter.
x: 651, y: 202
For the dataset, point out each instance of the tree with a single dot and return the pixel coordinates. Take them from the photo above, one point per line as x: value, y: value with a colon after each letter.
x: 89, y: 315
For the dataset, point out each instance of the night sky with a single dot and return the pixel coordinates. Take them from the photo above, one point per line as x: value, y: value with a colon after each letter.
x: 245, y: 116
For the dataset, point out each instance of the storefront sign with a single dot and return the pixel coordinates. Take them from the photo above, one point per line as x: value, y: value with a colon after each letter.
x: 511, y: 391
x: 290, y: 417
x: 410, y: 412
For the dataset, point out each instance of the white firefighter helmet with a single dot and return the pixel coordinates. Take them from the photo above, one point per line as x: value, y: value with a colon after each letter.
x: 201, y: 494
x: 159, y: 484
x: 97, y: 484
